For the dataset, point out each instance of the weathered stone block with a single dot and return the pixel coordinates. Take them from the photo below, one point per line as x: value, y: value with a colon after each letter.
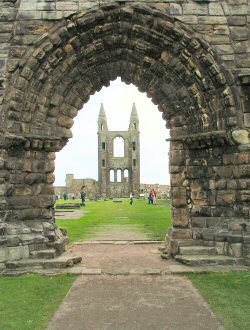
x: 19, y: 202
x: 221, y: 235
x: 34, y: 178
x: 199, y: 222
x: 194, y: 9
x: 208, y: 234
x: 246, y: 238
x: 215, y: 9
x: 237, y: 20
x: 179, y: 196
x: 247, y: 119
x: 12, y: 240
x: 235, y: 238
x: 175, y: 169
x: 17, y: 253
x: 213, y: 222
x: 239, y: 33
x: 175, y: 9
x: 197, y: 233
x: 220, y: 248
x: 172, y: 246
x: 3, y: 254
x: 246, y: 251
x: 176, y: 233
x: 225, y: 197
x: 235, y: 250
x: 177, y: 157
x: 180, y: 217
x: 65, y: 121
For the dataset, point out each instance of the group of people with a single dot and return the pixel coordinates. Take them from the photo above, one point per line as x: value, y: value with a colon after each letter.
x: 73, y: 196
x: 152, y: 197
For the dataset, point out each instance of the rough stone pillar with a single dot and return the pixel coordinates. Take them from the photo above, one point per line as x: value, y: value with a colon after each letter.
x: 180, y: 197
x: 27, y: 200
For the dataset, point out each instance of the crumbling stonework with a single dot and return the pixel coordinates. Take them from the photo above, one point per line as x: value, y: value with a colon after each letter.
x: 191, y: 58
x: 74, y: 186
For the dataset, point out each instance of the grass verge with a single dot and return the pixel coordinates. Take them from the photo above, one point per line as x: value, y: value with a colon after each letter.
x: 29, y: 302
x: 228, y: 295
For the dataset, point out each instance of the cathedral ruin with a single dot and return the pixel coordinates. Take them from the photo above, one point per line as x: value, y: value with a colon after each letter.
x: 118, y: 174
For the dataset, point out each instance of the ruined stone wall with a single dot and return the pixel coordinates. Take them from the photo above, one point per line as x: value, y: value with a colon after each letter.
x: 224, y: 24
x: 192, y: 58
x: 92, y: 188
x: 161, y: 189
x: 74, y: 186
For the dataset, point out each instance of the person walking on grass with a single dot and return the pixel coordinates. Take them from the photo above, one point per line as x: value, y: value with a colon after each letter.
x: 131, y: 198
x: 83, y: 197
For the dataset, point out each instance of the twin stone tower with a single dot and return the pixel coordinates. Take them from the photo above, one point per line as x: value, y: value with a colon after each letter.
x: 118, y: 174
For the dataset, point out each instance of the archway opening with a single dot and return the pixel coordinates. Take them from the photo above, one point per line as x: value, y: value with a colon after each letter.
x: 80, y: 155
x: 180, y: 73
x: 118, y: 143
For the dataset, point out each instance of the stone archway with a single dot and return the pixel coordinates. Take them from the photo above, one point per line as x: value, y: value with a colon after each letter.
x: 179, y: 71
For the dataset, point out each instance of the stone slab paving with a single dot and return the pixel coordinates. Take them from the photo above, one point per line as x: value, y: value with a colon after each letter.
x: 69, y: 214
x: 121, y: 258
x: 118, y: 233
x: 105, y: 302
x: 128, y: 286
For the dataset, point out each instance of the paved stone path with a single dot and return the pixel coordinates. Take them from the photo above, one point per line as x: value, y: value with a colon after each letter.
x: 68, y: 214
x: 127, y: 286
x: 118, y: 233
x: 133, y: 303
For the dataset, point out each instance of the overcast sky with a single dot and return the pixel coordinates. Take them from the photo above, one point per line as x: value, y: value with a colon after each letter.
x: 79, y: 156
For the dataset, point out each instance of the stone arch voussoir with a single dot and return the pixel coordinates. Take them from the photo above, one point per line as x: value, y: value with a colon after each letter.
x: 179, y: 71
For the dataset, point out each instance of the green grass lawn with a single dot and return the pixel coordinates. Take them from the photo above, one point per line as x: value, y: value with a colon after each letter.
x: 228, y: 295
x: 29, y: 302
x: 154, y: 220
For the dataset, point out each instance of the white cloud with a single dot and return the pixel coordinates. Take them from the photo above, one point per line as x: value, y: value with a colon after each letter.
x: 80, y: 155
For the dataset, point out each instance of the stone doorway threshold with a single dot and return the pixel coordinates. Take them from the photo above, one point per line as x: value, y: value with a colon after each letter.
x: 133, y: 258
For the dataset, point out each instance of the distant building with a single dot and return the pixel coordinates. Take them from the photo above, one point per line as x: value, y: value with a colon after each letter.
x: 118, y: 174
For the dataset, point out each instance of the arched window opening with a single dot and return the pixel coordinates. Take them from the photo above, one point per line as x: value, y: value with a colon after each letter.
x: 112, y: 176
x: 103, y: 162
x: 134, y: 162
x: 134, y: 145
x: 103, y: 146
x: 118, y: 147
x: 101, y: 127
x: 134, y: 125
x: 119, y: 176
x: 126, y: 175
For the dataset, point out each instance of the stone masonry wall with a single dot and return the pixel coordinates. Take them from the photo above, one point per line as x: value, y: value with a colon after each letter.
x: 192, y: 58
x: 223, y: 24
